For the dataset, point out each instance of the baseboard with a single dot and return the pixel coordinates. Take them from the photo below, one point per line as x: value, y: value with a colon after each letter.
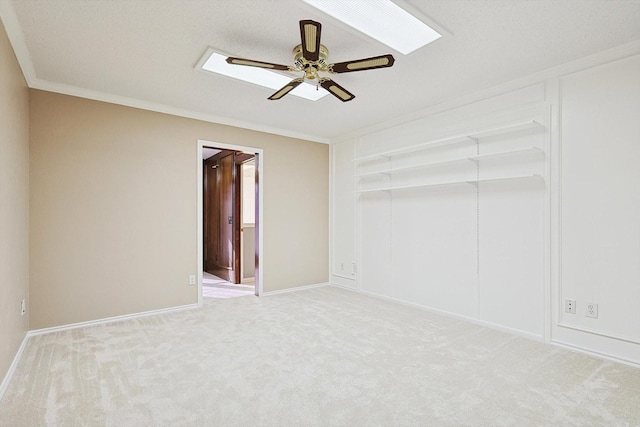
x: 296, y: 289
x: 475, y: 321
x: 534, y: 337
x: 110, y: 319
x: 348, y: 288
x: 602, y: 334
x: 16, y: 359
x: 348, y: 284
x: 599, y: 355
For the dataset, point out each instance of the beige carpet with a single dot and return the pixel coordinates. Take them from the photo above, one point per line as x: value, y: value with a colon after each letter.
x: 321, y: 357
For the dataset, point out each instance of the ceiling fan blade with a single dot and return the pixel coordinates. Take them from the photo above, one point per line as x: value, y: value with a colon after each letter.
x: 260, y: 64
x: 336, y: 90
x: 310, y: 35
x: 383, y: 61
x: 286, y: 89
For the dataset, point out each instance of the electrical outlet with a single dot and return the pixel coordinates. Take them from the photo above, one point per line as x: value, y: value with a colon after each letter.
x: 570, y: 306
x: 192, y: 279
x: 591, y: 310
x: 23, y: 307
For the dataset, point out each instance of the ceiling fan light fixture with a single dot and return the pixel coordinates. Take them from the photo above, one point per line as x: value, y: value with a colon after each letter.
x: 259, y: 75
x: 382, y: 20
x: 310, y: 58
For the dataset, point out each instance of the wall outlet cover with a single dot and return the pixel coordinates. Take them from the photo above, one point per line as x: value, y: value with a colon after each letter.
x: 570, y: 306
x: 591, y: 310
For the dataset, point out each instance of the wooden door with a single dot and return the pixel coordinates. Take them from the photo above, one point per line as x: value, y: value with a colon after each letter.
x: 220, y: 241
x: 209, y: 216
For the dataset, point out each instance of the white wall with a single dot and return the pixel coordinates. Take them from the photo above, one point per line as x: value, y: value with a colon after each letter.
x: 472, y: 250
x: 599, y: 211
x: 343, y: 208
x: 499, y: 253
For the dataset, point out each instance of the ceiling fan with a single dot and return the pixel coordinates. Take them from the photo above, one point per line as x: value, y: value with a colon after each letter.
x: 310, y: 57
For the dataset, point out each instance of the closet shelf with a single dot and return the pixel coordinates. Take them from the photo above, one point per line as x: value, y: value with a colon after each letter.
x: 442, y: 184
x: 529, y: 150
x: 456, y: 139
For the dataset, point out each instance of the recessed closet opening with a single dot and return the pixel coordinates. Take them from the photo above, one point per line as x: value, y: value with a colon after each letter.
x: 229, y: 218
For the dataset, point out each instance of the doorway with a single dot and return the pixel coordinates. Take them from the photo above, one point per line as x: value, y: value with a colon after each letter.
x: 229, y: 218
x: 248, y: 218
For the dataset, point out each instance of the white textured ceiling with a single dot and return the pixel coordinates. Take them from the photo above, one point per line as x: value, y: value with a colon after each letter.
x: 144, y: 52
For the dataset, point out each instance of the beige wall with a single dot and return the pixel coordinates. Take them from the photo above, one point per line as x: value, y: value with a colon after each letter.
x: 14, y: 203
x: 113, y: 208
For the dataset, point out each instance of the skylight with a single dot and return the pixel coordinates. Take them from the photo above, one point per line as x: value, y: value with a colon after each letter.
x: 382, y: 20
x: 216, y: 63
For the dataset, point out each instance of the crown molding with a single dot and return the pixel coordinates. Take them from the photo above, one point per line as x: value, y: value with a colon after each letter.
x: 16, y: 38
x: 14, y: 33
x: 609, y: 55
x: 166, y: 109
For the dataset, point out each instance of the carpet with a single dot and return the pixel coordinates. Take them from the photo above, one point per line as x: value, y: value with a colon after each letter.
x: 317, y: 357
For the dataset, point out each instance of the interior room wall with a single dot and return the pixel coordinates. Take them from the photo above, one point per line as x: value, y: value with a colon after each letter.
x: 14, y: 204
x: 598, y: 213
x: 343, y: 215
x: 113, y: 201
x: 508, y: 254
x: 468, y: 249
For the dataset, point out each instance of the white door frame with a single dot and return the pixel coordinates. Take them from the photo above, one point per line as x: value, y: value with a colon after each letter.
x: 260, y: 168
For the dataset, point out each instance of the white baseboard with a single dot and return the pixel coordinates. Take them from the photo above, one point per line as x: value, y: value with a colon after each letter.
x: 296, y: 289
x: 599, y: 355
x: 479, y: 322
x: 110, y: 319
x: 16, y: 359
x: 7, y: 378
x: 341, y: 286
x: 512, y: 331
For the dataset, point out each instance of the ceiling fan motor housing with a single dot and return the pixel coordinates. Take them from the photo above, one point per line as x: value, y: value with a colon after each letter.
x: 311, y: 68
